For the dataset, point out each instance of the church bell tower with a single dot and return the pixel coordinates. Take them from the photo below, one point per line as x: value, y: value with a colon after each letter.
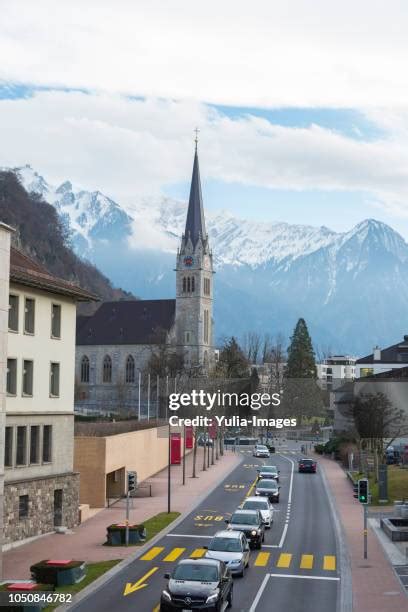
x: 194, y: 283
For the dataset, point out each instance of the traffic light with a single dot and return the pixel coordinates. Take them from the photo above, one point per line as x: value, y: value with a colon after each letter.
x: 363, y: 491
x: 131, y: 481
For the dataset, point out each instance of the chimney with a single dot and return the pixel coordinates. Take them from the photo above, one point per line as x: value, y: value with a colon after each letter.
x: 377, y: 353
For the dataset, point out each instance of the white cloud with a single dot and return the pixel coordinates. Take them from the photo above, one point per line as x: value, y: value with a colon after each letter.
x: 128, y: 148
x: 264, y: 53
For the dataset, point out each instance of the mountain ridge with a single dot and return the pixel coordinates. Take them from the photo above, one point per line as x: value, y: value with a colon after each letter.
x: 341, y: 282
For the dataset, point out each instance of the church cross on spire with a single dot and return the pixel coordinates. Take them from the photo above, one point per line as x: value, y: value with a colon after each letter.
x: 196, y: 130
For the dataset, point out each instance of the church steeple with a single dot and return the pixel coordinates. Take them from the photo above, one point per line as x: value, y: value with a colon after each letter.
x: 195, y: 224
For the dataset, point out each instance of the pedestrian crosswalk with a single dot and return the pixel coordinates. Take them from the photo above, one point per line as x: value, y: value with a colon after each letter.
x: 277, y: 559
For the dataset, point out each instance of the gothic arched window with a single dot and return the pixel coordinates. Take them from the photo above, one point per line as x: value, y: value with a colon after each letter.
x: 192, y: 284
x: 107, y: 369
x: 184, y: 284
x: 188, y: 284
x: 130, y: 370
x: 84, y: 369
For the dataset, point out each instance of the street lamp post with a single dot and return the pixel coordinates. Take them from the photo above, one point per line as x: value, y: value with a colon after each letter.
x: 169, y: 476
x: 184, y: 455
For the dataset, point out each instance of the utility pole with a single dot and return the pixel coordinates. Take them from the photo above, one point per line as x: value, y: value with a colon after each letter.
x: 184, y: 455
x: 169, y: 476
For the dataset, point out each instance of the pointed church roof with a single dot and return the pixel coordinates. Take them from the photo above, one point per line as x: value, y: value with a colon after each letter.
x: 195, y: 224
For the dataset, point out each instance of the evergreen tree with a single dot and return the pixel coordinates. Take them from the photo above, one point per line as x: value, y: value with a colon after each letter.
x: 301, y: 394
x: 301, y: 358
x: 232, y: 362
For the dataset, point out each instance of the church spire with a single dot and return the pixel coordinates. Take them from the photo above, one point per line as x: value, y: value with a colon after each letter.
x: 195, y: 224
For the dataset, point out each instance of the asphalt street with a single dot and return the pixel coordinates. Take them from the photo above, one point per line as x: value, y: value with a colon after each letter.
x: 296, y: 570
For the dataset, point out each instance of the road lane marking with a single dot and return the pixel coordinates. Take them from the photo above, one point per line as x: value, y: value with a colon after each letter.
x: 251, y: 487
x: 157, y: 608
x: 152, y: 553
x: 139, y: 584
x: 304, y: 577
x: 329, y: 563
x: 285, y: 528
x: 198, y: 553
x: 306, y: 562
x: 259, y: 593
x: 262, y: 559
x: 284, y: 560
x: 270, y: 545
x: 174, y: 554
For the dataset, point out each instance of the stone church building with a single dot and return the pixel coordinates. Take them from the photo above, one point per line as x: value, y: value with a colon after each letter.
x: 114, y: 344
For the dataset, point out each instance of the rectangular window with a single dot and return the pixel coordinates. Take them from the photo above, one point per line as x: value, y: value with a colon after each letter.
x: 28, y: 370
x: 54, y: 379
x: 47, y: 444
x: 23, y: 506
x: 8, y: 447
x: 13, y: 313
x: 56, y: 321
x: 11, y: 376
x: 206, y: 326
x: 21, y: 454
x: 34, y: 443
x: 206, y: 286
x: 29, y: 315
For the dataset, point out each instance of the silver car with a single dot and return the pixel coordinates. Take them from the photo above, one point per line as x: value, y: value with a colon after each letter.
x: 263, y: 505
x: 231, y: 547
x: 260, y: 450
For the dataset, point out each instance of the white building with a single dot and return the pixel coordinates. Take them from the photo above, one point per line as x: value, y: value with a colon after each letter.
x: 383, y: 360
x: 335, y: 370
x: 40, y: 487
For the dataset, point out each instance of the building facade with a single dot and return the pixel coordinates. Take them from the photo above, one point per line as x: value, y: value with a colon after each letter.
x: 382, y: 360
x: 41, y: 490
x: 116, y: 343
x: 335, y: 370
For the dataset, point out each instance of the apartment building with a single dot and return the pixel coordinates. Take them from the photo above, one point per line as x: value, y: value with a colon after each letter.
x: 41, y: 489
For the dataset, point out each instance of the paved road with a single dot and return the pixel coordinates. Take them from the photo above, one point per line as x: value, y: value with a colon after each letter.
x: 296, y: 571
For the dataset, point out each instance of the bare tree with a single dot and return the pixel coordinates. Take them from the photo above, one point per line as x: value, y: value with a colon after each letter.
x: 252, y: 346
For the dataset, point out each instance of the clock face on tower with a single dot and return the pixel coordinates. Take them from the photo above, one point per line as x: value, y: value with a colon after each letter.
x: 188, y: 261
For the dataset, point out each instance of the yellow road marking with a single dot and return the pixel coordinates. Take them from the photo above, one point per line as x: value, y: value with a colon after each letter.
x: 174, y: 554
x: 262, y: 559
x: 157, y: 608
x: 140, y: 584
x: 329, y: 563
x: 197, y: 553
x: 306, y: 562
x: 152, y: 553
x: 284, y: 560
x: 251, y: 487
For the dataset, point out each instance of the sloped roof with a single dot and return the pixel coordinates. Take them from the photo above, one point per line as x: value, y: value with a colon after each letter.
x: 26, y: 271
x: 127, y: 322
x: 397, y: 353
x: 195, y: 224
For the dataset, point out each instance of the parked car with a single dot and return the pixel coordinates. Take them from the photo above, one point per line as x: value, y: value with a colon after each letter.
x: 260, y: 450
x: 269, y: 471
x: 204, y: 441
x: 251, y: 524
x: 232, y: 548
x: 204, y: 584
x: 269, y: 488
x: 307, y: 465
x: 263, y: 505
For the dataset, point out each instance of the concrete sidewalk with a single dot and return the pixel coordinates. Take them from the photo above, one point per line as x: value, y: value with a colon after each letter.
x: 86, y: 541
x: 375, y: 585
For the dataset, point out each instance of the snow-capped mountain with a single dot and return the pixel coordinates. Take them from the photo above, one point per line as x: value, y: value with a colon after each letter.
x: 351, y: 287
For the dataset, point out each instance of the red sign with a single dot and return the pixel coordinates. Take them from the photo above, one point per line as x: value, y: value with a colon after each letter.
x: 175, y: 449
x: 189, y: 437
x: 212, y: 430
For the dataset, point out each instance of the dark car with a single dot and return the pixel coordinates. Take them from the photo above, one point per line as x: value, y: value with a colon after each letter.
x: 268, y: 487
x: 251, y: 523
x: 307, y: 465
x: 197, y: 584
x: 268, y: 471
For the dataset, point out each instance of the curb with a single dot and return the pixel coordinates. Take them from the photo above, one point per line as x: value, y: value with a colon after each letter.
x: 107, y: 576
x: 345, y: 601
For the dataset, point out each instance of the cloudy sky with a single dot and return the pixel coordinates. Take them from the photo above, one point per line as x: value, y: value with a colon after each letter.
x: 302, y: 106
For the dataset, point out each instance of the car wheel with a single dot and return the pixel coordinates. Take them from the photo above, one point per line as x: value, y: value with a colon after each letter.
x: 229, y: 600
x: 259, y: 545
